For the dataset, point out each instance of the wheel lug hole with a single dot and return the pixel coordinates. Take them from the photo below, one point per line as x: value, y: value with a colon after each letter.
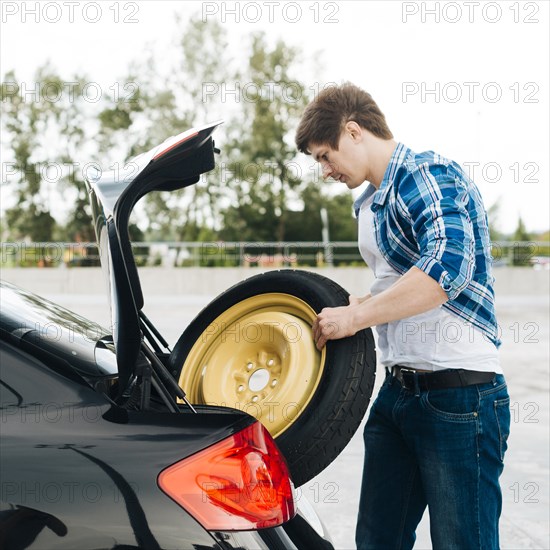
x: 255, y: 399
x: 273, y: 383
x: 250, y: 366
x: 270, y: 362
x: 240, y: 389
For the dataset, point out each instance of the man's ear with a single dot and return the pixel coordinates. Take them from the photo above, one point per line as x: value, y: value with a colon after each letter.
x: 354, y: 130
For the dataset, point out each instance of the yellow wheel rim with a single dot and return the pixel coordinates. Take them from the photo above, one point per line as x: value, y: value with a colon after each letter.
x: 259, y: 357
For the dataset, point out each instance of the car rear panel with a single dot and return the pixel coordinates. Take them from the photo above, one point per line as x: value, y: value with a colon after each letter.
x: 82, y: 473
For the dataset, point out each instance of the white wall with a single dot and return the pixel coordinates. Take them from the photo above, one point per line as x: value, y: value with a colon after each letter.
x: 213, y: 281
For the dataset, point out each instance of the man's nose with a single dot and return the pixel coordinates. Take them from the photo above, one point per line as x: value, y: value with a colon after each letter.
x: 327, y: 169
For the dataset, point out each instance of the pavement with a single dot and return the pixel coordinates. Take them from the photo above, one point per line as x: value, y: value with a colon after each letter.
x: 524, y: 322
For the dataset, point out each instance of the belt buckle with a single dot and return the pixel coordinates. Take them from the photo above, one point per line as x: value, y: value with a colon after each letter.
x: 405, y: 371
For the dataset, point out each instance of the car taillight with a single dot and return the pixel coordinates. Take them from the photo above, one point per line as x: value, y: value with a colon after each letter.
x: 240, y: 483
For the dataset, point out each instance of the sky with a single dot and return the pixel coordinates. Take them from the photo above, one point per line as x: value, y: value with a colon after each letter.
x: 469, y: 80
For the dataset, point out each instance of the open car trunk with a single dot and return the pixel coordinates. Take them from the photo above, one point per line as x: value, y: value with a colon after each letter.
x: 176, y: 163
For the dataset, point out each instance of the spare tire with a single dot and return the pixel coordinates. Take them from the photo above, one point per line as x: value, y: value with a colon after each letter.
x: 252, y: 349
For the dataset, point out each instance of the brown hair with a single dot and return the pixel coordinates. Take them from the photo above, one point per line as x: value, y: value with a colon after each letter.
x: 325, y: 117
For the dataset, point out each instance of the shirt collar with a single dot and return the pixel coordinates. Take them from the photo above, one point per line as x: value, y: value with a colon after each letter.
x: 370, y: 190
x: 399, y: 155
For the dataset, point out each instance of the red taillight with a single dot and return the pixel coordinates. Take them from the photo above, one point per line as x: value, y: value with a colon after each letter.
x: 240, y: 483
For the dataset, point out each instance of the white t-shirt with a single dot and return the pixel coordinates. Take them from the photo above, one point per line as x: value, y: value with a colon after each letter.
x: 434, y: 340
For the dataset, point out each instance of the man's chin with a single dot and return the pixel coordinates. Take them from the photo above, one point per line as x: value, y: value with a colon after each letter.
x: 344, y: 180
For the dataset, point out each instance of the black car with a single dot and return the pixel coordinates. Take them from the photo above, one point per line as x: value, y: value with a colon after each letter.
x: 110, y: 439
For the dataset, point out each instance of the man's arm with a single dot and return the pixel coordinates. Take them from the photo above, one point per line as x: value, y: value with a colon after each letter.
x: 414, y: 293
x: 355, y: 300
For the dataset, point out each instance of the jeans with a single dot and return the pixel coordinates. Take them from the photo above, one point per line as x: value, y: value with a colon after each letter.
x: 439, y: 448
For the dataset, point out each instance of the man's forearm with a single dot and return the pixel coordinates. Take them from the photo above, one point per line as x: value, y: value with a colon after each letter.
x: 414, y: 293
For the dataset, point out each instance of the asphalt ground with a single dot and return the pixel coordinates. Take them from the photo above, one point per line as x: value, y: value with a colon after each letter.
x: 524, y: 321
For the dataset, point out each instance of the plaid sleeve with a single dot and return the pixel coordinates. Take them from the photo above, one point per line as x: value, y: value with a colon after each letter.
x: 436, y: 201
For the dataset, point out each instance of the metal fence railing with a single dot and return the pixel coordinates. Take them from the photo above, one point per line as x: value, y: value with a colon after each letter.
x: 237, y: 254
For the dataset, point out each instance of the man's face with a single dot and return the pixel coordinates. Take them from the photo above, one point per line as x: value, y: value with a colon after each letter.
x: 348, y: 164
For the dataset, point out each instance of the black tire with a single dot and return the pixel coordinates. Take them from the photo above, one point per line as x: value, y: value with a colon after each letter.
x: 322, y: 427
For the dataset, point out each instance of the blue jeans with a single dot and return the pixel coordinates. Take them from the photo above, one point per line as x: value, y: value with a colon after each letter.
x: 440, y: 448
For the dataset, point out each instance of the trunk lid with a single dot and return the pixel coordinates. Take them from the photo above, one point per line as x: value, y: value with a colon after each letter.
x: 174, y: 164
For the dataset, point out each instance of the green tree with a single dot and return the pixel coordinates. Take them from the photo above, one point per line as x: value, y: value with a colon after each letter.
x: 165, y: 104
x: 22, y: 122
x: 522, y: 250
x: 44, y: 135
x: 263, y: 176
x: 306, y: 224
x: 258, y: 191
x: 493, y: 214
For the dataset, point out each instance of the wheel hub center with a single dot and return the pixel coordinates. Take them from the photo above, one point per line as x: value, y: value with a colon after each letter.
x: 259, y: 380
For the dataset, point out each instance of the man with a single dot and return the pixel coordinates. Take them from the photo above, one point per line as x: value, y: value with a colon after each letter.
x: 437, y: 432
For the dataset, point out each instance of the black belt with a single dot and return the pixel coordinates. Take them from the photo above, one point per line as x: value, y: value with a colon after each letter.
x: 439, y: 380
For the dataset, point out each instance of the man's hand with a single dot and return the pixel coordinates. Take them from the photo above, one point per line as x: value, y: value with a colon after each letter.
x: 336, y: 322
x: 333, y: 323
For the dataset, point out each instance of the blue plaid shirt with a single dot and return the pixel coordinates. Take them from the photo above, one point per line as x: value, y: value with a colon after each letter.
x: 428, y: 213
